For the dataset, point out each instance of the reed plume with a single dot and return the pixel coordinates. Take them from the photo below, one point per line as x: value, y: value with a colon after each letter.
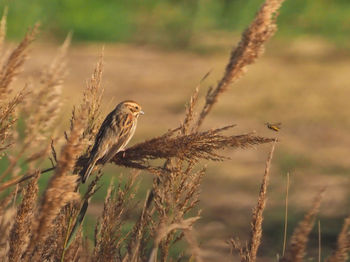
x: 9, y: 69
x: 108, y: 237
x: 62, y: 186
x: 341, y: 252
x: 194, y: 146
x: 14, y: 62
x: 3, y: 32
x: 249, y: 252
x: 296, y: 250
x: 8, y: 119
x: 43, y: 107
x: 250, y: 47
x: 92, y: 96
x: 22, y: 227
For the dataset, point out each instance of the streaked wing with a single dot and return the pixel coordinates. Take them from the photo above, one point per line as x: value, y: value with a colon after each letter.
x: 124, y: 127
x: 102, y: 139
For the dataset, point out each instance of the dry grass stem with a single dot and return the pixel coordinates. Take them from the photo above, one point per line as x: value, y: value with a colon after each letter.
x: 92, y: 97
x: 21, y: 229
x: 249, y: 252
x: 60, y: 192
x: 44, y: 106
x: 13, y: 64
x: 175, y: 193
x: 91, y: 103
x: 71, y: 232
x: 6, y: 201
x: 285, y: 218
x: 186, y: 127
x: 341, y: 253
x: 3, y: 29
x: 257, y: 218
x: 115, y: 206
x: 15, y: 181
x: 9, y: 106
x: 94, y: 92
x: 61, y: 188
x: 195, y: 250
x: 8, y: 118
x: 138, y: 234
x: 6, y: 222
x: 250, y: 47
x: 165, y: 230
x: 296, y: 250
x: 319, y: 241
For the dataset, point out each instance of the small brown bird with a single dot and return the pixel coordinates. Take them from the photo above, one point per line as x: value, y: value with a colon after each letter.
x: 275, y: 126
x: 114, y: 134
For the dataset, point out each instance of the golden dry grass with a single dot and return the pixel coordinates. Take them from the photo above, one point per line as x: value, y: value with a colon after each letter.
x: 169, y: 212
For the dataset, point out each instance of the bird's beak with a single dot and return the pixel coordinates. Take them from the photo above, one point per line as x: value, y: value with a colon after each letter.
x: 142, y: 113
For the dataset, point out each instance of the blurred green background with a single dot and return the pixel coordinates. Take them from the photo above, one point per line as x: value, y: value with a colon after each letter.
x: 171, y: 23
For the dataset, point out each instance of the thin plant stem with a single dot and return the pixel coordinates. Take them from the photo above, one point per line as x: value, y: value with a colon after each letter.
x: 66, y: 240
x: 286, y: 218
x: 319, y: 241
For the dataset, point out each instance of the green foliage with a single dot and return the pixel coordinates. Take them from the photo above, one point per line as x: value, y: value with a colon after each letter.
x: 170, y: 23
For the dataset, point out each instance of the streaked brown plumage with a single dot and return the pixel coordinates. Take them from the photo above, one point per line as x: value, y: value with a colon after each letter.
x: 114, y: 134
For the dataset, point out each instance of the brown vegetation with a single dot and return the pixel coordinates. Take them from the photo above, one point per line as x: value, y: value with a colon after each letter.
x: 50, y: 228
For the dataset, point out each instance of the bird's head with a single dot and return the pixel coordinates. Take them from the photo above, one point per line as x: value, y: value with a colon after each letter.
x: 132, y: 107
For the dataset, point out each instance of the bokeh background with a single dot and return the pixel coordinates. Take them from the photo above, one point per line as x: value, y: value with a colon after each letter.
x: 157, y: 51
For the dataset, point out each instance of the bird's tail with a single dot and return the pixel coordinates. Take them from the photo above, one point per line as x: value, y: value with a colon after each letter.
x: 85, y: 173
